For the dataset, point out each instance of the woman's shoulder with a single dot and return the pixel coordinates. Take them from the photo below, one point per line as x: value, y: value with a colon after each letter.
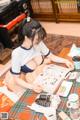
x: 16, y: 51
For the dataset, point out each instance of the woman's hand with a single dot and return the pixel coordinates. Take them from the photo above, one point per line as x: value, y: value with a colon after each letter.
x: 69, y: 64
x: 37, y: 88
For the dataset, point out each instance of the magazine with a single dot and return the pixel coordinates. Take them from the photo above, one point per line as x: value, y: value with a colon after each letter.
x: 52, y: 77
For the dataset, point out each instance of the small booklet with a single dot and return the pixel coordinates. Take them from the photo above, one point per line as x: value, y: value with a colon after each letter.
x: 65, y: 88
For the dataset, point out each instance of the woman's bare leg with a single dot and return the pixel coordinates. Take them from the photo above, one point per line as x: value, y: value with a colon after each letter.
x: 12, y: 86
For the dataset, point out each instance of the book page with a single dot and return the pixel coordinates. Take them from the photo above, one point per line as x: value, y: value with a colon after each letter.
x: 51, y: 77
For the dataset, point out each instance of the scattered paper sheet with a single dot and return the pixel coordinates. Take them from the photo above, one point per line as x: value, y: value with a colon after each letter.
x: 49, y: 112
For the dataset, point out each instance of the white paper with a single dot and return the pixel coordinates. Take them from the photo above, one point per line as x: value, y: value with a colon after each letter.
x: 49, y: 112
x: 74, y: 51
x: 11, y: 95
x: 51, y: 77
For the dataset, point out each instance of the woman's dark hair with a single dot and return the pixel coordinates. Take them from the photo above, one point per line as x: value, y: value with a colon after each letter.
x: 29, y: 29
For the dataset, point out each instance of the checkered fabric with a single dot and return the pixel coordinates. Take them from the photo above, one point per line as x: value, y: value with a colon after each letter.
x: 20, y: 111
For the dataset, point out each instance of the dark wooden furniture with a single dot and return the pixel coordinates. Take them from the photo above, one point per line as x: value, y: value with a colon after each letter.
x: 44, y: 10
x: 11, y: 15
x: 12, y: 9
x: 56, y: 10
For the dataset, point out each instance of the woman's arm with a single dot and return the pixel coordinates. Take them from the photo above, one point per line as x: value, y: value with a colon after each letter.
x: 46, y: 52
x: 21, y: 82
x: 57, y: 59
x: 24, y: 84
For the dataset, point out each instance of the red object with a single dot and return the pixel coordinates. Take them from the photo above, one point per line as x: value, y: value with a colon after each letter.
x: 14, y: 21
x: 5, y: 103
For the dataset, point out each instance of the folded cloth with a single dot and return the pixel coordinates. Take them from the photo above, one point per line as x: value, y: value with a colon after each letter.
x: 49, y: 112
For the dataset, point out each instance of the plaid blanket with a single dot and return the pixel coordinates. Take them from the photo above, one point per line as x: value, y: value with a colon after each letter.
x: 20, y: 111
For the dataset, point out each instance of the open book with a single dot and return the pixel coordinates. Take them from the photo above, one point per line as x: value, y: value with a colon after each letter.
x: 52, y: 77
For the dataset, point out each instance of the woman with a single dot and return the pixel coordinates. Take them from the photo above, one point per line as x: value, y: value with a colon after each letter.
x: 31, y: 54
